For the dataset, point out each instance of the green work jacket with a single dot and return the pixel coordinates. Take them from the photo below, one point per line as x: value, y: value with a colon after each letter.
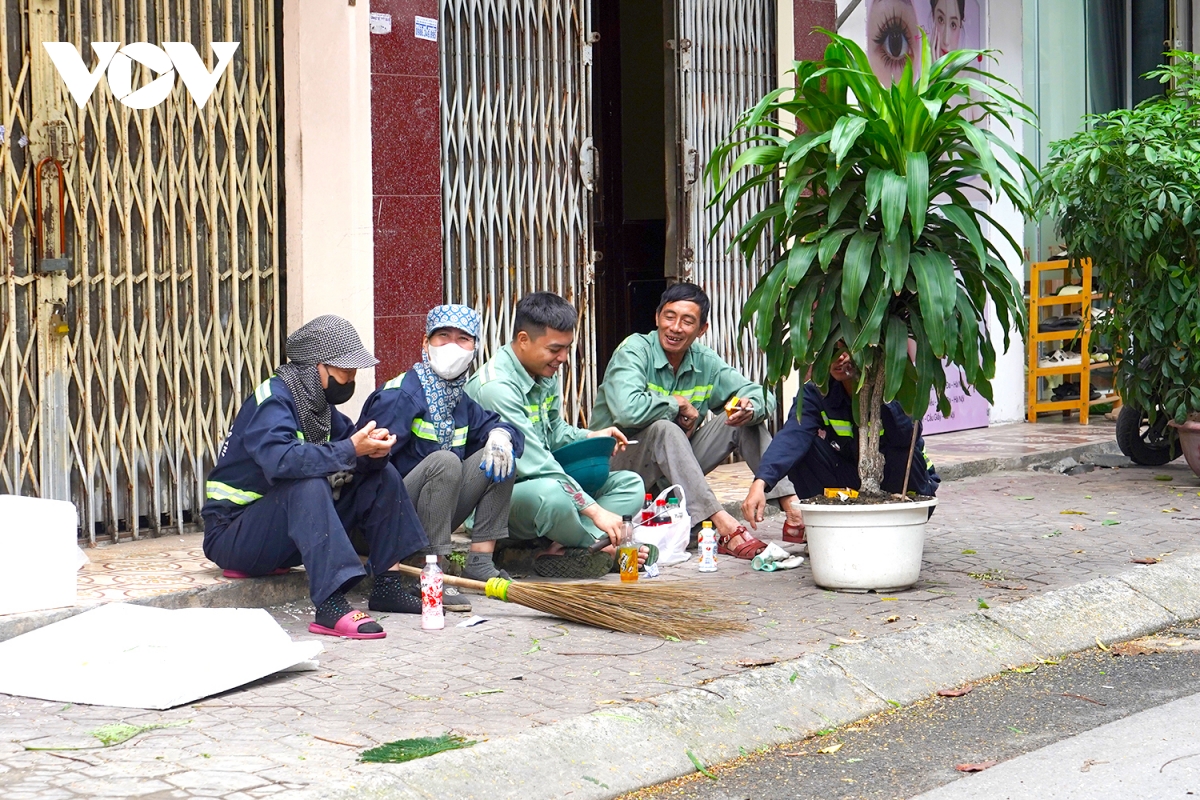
x: 533, y: 407
x: 640, y: 385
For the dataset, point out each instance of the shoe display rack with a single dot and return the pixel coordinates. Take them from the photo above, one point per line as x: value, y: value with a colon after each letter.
x: 1063, y: 354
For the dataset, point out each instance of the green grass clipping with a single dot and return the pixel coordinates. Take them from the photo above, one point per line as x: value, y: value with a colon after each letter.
x: 408, y: 749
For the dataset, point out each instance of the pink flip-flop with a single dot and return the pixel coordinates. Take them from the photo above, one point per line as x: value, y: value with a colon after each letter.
x: 234, y: 574
x: 347, y: 627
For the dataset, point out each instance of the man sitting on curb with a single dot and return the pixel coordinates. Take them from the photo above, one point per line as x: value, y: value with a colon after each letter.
x: 520, y: 385
x: 293, y: 476
x: 456, y: 457
x: 670, y: 395
x: 819, y: 450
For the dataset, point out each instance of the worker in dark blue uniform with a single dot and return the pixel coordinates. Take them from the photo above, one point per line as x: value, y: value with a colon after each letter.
x: 293, y: 476
x: 819, y: 450
x: 456, y: 457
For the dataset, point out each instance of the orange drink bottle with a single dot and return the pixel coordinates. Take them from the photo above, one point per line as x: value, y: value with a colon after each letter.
x: 627, y: 554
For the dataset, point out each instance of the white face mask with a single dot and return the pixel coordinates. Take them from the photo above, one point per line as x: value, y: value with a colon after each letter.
x: 450, y: 360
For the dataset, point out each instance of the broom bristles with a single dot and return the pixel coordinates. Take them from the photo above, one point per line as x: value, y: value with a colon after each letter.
x: 675, y: 608
x: 681, y: 610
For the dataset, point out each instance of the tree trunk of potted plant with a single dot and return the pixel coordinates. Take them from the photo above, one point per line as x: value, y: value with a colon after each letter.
x: 878, y: 252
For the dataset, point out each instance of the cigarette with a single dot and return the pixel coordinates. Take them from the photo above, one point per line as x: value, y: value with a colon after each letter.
x: 632, y: 441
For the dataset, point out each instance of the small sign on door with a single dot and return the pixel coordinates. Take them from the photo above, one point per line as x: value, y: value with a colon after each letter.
x: 425, y: 28
x: 380, y: 23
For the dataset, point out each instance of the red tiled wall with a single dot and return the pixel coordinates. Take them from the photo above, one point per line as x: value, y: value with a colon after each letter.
x: 809, y: 14
x: 406, y: 155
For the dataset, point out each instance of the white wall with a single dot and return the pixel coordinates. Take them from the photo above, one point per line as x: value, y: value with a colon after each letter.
x: 1004, y: 33
x: 327, y: 170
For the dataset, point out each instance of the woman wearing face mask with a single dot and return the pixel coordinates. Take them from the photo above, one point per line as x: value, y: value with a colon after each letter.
x: 294, y: 476
x: 456, y: 457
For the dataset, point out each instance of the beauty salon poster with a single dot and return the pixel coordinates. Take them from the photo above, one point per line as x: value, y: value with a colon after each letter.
x: 894, y: 31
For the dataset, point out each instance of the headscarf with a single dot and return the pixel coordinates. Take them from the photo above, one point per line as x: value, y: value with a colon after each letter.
x: 442, y: 395
x: 328, y: 340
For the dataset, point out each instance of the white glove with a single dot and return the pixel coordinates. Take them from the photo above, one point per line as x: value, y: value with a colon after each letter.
x: 498, y: 462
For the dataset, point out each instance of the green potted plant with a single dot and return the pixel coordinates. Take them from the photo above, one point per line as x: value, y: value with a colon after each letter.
x: 1125, y: 193
x: 877, y: 248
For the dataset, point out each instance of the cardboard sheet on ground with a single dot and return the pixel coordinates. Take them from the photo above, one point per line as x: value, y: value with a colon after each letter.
x: 142, y: 657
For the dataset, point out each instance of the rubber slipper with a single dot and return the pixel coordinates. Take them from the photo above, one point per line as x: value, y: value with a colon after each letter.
x: 347, y: 627
x: 236, y: 575
x: 748, y: 549
x: 794, y: 533
x: 576, y: 563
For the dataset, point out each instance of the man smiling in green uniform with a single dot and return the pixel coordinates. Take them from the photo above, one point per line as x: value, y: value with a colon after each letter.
x: 677, y: 399
x: 520, y: 384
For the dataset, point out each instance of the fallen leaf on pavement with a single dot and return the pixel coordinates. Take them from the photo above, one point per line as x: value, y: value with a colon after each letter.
x: 1078, y: 527
x: 1069, y: 511
x: 1108, y: 522
x: 1147, y: 560
x: 1101, y: 644
x: 1170, y: 510
x: 1012, y: 587
x: 833, y: 748
x: 955, y: 692
x: 980, y: 767
x: 892, y: 618
x: 1163, y: 478
x: 1025, y: 670
x: 1024, y: 497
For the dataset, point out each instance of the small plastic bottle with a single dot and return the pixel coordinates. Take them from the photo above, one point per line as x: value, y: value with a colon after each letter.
x: 627, y: 553
x: 708, y: 547
x: 648, y: 509
x: 673, y: 509
x: 659, y: 517
x: 433, y: 616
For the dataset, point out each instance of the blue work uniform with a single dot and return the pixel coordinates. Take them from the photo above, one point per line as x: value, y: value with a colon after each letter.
x: 400, y: 406
x: 270, y: 504
x: 819, y: 450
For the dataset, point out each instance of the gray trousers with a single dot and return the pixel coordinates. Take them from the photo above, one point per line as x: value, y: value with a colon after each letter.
x: 664, y: 455
x: 446, y: 491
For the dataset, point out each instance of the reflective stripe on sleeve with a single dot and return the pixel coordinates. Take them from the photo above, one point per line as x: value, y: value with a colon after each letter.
x: 215, y: 490
x: 263, y: 391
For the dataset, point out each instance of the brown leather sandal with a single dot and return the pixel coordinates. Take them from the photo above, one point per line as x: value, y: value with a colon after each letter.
x: 794, y: 534
x: 747, y: 549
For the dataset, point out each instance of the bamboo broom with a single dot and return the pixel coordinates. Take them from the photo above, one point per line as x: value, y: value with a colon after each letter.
x: 664, y: 609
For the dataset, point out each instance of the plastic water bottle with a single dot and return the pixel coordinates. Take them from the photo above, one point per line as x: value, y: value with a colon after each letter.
x: 433, y: 616
x: 647, y: 509
x: 627, y: 553
x: 708, y: 547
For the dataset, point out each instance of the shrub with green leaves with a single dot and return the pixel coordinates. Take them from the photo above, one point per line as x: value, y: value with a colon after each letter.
x: 1126, y: 194
x: 880, y: 243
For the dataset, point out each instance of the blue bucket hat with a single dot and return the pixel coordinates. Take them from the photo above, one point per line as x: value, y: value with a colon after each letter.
x: 463, y: 318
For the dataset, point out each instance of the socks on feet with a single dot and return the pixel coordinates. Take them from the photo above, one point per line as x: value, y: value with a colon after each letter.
x: 336, y: 607
x: 480, y: 567
x: 395, y: 593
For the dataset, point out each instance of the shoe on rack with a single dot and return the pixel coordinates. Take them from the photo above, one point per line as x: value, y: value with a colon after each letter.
x: 1060, y: 358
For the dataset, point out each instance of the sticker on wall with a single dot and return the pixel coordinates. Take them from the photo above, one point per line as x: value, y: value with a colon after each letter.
x: 380, y: 23
x: 425, y: 28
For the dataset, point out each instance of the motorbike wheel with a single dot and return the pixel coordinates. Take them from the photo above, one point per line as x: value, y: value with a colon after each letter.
x: 1146, y: 444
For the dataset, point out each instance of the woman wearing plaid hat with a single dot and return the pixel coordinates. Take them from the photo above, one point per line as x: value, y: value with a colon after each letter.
x: 456, y: 457
x: 294, y: 475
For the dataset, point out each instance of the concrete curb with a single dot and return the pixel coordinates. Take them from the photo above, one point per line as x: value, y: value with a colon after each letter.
x: 249, y: 593
x: 607, y: 753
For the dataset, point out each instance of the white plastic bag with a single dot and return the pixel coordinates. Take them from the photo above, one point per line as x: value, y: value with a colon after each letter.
x: 672, y: 538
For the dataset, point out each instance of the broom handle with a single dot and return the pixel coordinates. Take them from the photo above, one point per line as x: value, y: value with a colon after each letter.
x: 462, y: 583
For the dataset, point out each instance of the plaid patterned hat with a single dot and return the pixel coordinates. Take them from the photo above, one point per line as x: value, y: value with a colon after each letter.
x: 329, y: 340
x: 464, y: 318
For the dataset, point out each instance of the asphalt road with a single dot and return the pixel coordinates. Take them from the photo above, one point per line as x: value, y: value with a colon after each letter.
x: 906, y: 752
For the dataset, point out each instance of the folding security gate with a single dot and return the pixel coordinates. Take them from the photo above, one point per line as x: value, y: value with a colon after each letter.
x: 122, y: 367
x: 725, y: 61
x: 518, y: 167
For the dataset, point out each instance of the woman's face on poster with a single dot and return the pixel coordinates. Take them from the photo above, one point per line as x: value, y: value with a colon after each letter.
x: 893, y: 37
x: 947, y: 27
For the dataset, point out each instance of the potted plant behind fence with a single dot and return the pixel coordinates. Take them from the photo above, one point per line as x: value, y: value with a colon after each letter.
x: 878, y: 245
x: 1126, y: 194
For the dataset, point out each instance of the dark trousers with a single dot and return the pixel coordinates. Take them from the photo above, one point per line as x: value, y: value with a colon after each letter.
x: 299, y: 522
x: 824, y: 467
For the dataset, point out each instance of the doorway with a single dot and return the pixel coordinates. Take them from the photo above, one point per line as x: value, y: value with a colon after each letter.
x: 630, y: 125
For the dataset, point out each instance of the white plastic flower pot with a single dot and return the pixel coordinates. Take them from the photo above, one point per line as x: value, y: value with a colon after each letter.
x: 860, y: 548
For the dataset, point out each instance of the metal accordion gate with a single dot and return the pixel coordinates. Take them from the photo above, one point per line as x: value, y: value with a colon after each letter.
x: 517, y: 167
x: 725, y: 58
x: 139, y: 260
